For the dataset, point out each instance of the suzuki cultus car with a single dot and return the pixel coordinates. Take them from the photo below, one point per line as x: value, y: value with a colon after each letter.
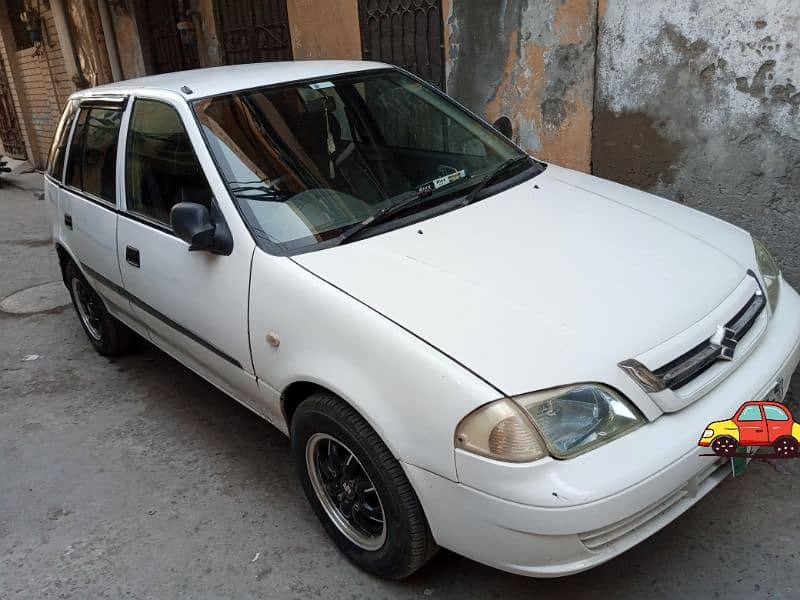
x: 468, y: 347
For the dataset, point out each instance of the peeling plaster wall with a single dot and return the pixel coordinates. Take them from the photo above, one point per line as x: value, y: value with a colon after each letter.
x: 699, y: 102
x: 532, y: 61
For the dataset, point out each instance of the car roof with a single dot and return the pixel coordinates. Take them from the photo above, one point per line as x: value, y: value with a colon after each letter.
x: 219, y: 80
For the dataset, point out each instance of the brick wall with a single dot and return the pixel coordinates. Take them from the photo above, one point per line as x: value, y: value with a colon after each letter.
x: 46, y: 88
x: 7, y: 63
x: 42, y: 85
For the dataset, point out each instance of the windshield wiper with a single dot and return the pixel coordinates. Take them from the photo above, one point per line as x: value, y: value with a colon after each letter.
x: 502, y: 167
x: 383, y: 215
x: 425, y: 192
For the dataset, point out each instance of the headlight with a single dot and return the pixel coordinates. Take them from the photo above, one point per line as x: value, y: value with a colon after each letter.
x: 769, y: 272
x: 577, y: 418
x: 708, y: 433
x: 567, y: 421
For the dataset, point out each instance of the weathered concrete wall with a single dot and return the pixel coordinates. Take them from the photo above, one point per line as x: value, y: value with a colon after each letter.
x: 532, y: 61
x: 699, y: 102
x: 324, y: 29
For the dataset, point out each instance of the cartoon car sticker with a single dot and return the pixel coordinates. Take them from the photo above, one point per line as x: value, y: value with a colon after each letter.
x: 759, y: 423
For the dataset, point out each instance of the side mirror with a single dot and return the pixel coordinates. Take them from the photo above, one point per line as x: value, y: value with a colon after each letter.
x: 194, y: 225
x: 504, y: 126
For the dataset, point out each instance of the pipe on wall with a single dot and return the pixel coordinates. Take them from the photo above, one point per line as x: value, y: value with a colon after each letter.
x: 65, y: 41
x: 111, y: 39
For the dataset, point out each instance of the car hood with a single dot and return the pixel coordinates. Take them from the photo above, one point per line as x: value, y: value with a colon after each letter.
x: 543, y: 284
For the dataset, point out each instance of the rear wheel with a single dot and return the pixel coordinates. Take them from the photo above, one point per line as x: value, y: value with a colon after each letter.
x: 108, y: 336
x: 358, y: 489
x: 724, y: 445
x: 786, y: 447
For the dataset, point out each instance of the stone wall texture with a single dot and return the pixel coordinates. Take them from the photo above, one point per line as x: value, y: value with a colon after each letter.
x: 698, y: 101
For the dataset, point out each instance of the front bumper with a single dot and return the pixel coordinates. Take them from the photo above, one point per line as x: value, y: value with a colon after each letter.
x: 561, y: 517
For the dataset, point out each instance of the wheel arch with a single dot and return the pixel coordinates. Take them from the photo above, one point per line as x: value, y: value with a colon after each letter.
x: 296, y: 392
x: 63, y: 258
x: 724, y: 428
x: 293, y: 396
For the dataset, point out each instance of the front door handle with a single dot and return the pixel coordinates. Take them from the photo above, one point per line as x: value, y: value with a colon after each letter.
x: 132, y: 256
x: 68, y: 221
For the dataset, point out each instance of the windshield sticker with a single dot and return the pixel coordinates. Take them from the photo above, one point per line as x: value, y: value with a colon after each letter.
x: 441, y: 181
x: 321, y: 85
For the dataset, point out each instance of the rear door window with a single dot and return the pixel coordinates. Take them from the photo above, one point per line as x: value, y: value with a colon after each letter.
x: 55, y: 161
x: 774, y: 413
x: 93, y: 153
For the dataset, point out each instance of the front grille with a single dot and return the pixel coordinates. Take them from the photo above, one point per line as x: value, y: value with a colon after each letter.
x: 689, y: 365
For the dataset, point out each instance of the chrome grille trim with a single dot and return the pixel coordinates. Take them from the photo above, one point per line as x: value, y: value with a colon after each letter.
x: 686, y: 367
x: 692, y: 363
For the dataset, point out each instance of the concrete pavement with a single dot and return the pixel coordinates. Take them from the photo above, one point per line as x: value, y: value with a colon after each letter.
x: 134, y: 478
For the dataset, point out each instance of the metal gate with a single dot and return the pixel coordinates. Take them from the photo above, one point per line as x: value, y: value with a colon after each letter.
x: 253, y: 30
x: 168, y: 52
x: 10, y: 133
x: 406, y: 33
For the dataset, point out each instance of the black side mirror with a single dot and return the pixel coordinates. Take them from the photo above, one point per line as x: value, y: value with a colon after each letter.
x: 504, y: 126
x: 200, y: 229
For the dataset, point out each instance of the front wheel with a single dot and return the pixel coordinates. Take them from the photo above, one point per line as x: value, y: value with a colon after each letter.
x: 724, y: 445
x: 358, y: 489
x: 786, y: 447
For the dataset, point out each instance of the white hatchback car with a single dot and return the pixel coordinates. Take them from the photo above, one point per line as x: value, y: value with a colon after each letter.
x: 469, y: 348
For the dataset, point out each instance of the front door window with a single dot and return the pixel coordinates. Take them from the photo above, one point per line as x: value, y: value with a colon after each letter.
x: 161, y: 166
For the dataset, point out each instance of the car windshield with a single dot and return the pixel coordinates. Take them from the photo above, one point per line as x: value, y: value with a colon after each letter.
x: 308, y: 161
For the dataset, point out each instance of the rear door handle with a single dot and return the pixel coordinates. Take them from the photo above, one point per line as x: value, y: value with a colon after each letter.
x: 68, y: 220
x: 132, y: 256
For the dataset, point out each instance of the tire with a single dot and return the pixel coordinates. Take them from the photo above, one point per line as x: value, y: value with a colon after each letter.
x: 324, y: 432
x: 724, y: 445
x: 108, y: 336
x: 786, y: 447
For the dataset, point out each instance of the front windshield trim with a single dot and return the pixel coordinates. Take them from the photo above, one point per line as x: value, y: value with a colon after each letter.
x: 271, y: 247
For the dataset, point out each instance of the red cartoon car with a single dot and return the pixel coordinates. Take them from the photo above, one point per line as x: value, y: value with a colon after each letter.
x: 755, y: 424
